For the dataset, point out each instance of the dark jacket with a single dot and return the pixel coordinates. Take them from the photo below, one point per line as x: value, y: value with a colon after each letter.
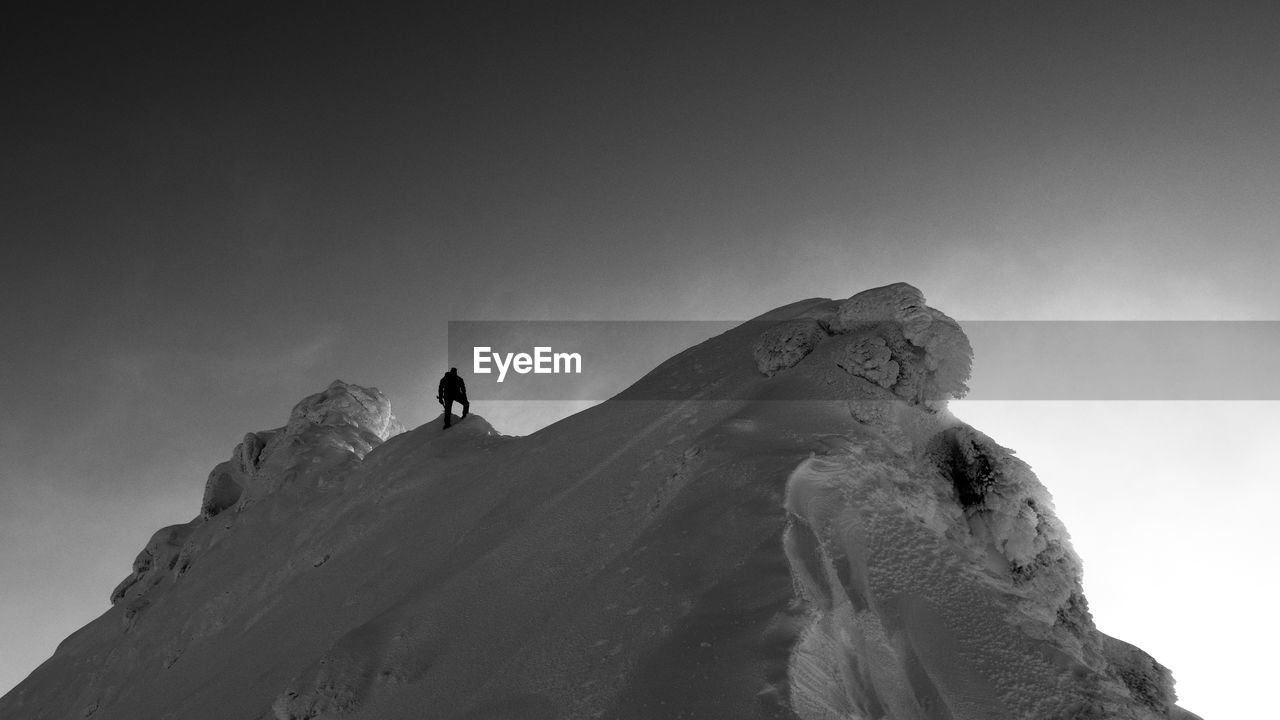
x: 452, y: 387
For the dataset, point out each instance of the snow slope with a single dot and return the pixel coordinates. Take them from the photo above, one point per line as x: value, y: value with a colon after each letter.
x: 805, y: 533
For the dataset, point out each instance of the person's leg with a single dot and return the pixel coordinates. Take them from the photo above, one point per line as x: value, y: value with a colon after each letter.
x: 448, y: 411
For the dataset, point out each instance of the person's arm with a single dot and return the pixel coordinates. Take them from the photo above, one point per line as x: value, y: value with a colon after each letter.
x: 440, y: 389
x: 462, y: 387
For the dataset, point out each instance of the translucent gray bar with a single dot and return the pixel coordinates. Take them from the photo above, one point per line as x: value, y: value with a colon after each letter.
x: 1013, y: 360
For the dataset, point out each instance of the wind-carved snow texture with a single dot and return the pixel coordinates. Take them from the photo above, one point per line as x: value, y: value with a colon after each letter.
x: 938, y: 584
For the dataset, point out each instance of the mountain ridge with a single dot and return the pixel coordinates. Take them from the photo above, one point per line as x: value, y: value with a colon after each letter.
x: 641, y: 559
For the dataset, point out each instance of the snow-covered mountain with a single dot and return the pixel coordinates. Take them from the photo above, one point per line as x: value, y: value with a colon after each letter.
x: 807, y: 533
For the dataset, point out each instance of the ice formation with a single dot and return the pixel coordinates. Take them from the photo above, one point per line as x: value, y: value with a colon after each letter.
x: 809, y: 534
x: 886, y: 335
x: 935, y: 579
x: 326, y: 435
x: 785, y: 344
x: 939, y: 584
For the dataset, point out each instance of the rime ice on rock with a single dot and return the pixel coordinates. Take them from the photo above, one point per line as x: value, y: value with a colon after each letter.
x: 936, y: 578
x: 940, y: 577
x: 345, y: 405
x: 330, y: 428
x: 326, y: 433
x: 871, y: 358
x: 887, y: 336
x: 149, y: 568
x: 786, y: 344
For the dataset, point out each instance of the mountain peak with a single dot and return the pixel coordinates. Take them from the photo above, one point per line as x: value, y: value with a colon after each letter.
x: 342, y: 403
x: 807, y: 537
x: 887, y: 335
x: 326, y: 434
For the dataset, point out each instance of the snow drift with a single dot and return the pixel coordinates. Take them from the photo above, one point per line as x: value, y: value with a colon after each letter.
x: 829, y: 543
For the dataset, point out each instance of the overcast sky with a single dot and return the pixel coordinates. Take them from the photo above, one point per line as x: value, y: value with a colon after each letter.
x: 210, y: 212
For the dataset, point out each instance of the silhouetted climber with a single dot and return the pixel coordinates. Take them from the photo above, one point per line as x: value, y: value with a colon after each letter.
x: 452, y: 389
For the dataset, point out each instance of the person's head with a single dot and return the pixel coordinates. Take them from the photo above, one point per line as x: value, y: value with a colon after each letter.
x: 453, y: 371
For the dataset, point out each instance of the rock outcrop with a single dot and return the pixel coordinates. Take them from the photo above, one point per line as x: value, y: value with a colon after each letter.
x: 157, y: 561
x: 785, y: 344
x: 935, y: 579
x: 941, y: 578
x: 326, y: 435
x: 325, y: 431
x: 885, y: 335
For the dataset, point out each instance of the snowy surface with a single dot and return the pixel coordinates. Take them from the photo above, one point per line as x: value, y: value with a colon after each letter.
x: 822, y: 546
x: 1184, y: 527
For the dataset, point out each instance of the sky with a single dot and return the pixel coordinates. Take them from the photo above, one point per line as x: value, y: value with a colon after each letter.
x: 209, y: 212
